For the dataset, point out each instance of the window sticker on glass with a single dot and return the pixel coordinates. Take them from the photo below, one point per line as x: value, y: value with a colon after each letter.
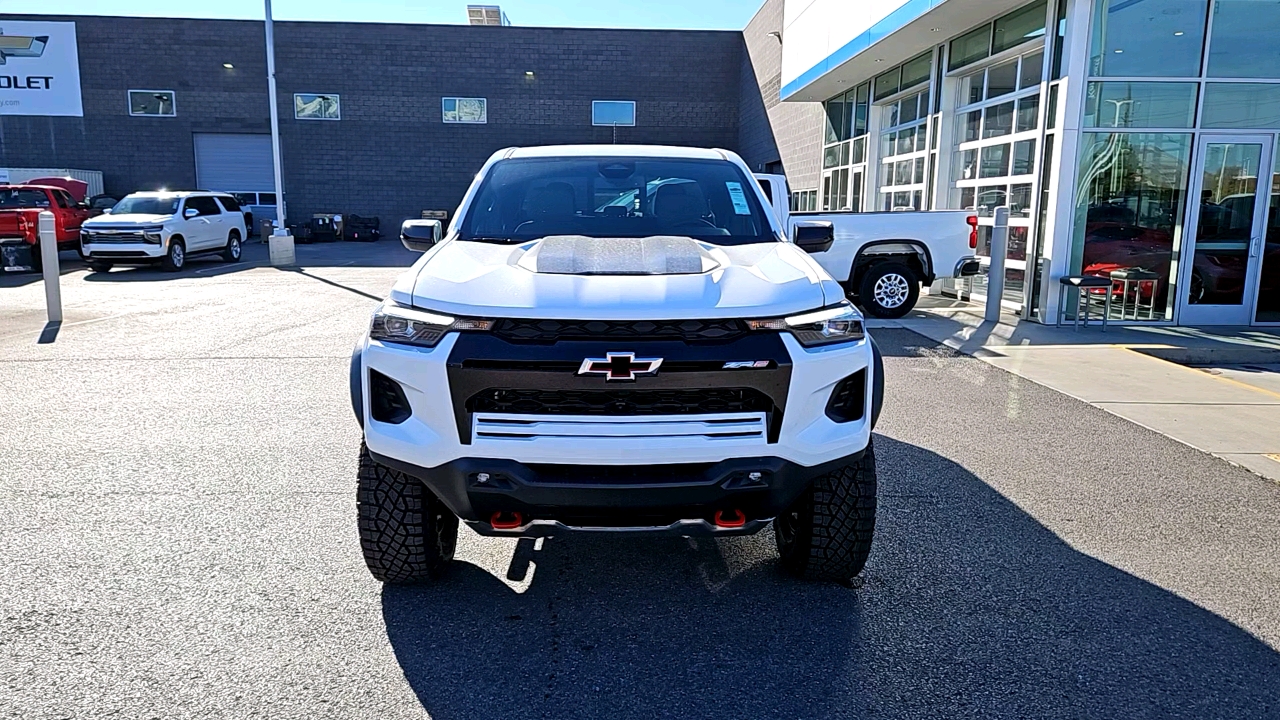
x: 739, y: 199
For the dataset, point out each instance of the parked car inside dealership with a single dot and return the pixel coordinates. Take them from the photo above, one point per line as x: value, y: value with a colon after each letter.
x: 164, y: 228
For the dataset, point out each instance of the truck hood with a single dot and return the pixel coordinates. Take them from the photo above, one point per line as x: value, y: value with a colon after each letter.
x: 129, y: 219
x: 572, y: 277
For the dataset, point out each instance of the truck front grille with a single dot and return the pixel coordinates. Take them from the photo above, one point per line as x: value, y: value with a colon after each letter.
x: 550, y: 331
x: 120, y: 237
x: 700, y: 401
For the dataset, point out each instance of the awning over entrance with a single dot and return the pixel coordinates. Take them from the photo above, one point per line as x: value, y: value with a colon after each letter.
x: 831, y: 45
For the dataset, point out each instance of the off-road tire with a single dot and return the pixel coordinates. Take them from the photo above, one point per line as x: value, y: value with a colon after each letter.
x: 175, y: 260
x: 406, y: 533
x: 895, y: 275
x: 234, y: 249
x: 99, y: 266
x: 826, y: 534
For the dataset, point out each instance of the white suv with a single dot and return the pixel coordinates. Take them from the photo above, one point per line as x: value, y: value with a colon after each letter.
x: 165, y: 228
x: 616, y: 337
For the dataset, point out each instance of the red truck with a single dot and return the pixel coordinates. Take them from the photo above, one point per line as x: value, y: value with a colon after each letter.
x: 20, y: 208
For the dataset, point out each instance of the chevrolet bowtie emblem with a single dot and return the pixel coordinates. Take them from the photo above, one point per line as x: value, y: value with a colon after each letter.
x: 20, y: 46
x: 619, y: 366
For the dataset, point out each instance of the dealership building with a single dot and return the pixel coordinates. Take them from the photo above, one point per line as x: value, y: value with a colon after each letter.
x: 1135, y: 137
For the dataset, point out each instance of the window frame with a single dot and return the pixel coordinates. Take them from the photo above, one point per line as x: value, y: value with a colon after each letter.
x: 173, y: 102
x: 484, y: 118
x: 337, y: 106
x: 887, y: 162
x: 632, y: 103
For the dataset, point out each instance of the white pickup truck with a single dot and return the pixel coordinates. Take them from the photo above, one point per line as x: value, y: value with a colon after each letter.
x: 882, y: 258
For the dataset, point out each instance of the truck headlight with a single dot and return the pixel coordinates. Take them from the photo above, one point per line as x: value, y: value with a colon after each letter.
x: 153, y: 235
x: 828, y: 326
x: 396, y: 323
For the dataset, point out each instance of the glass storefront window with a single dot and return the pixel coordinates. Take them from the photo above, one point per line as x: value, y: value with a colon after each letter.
x: 1019, y: 26
x: 1241, y: 105
x: 1154, y: 38
x: 1243, y: 41
x: 1140, y: 105
x: 970, y: 47
x: 1269, y: 279
x: 1002, y: 79
x: 1130, y: 202
x: 916, y: 70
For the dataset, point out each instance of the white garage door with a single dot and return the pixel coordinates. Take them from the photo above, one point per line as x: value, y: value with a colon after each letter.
x: 234, y: 162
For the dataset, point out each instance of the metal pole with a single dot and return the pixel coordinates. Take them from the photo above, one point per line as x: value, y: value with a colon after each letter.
x: 995, y: 276
x: 49, y: 259
x: 275, y: 118
x: 280, y: 248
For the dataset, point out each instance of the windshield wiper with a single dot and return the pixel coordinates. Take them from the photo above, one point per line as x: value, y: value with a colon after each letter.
x: 501, y: 240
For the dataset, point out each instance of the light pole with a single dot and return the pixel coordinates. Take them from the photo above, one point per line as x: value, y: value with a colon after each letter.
x: 281, y: 244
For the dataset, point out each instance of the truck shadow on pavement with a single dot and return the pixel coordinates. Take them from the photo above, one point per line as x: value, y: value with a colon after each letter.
x: 970, y: 608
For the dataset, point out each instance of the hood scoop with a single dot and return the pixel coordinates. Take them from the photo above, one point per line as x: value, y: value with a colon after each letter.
x: 580, y: 255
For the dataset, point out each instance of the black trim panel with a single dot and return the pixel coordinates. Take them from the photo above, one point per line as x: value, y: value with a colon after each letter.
x: 481, y: 362
x: 621, y: 496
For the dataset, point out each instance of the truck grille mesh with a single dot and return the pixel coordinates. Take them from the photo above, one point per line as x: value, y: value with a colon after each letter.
x: 702, y: 401
x: 550, y: 331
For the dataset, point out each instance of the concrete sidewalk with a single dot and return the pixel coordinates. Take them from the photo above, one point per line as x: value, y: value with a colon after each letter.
x: 1217, y: 390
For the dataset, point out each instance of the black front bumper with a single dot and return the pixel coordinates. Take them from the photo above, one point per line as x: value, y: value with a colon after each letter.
x: 652, y: 497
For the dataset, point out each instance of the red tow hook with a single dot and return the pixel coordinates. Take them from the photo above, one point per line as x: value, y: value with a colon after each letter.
x: 499, y: 523
x: 734, y: 520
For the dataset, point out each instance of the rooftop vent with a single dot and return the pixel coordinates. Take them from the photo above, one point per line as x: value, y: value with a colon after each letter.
x: 486, y: 15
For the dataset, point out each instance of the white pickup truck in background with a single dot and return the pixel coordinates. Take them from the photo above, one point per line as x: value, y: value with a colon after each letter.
x: 882, y: 258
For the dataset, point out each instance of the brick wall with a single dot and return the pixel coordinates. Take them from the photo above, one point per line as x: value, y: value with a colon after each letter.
x: 772, y: 130
x: 390, y: 155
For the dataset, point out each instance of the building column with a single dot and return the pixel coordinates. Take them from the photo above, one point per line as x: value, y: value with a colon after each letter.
x: 1062, y: 191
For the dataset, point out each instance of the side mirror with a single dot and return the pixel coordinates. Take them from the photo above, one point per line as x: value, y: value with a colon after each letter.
x: 106, y: 211
x: 421, y: 235
x: 190, y: 213
x: 814, y: 236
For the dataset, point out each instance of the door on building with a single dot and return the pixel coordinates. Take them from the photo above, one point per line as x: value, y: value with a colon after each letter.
x: 1226, y: 230
x: 240, y: 164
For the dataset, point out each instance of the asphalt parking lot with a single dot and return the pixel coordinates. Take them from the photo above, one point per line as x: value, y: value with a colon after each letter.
x: 179, y: 541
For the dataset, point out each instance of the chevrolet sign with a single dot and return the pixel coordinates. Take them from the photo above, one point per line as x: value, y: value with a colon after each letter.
x: 39, y: 69
x: 21, y: 47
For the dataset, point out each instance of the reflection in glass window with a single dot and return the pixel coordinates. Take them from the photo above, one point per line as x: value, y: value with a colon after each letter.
x: 1019, y: 26
x: 1020, y: 206
x: 999, y: 120
x: 1269, y: 280
x: 1002, y: 79
x: 1243, y: 43
x: 1024, y: 152
x: 995, y: 161
x: 464, y: 110
x: 1028, y: 113
x: 1140, y: 105
x: 1130, y: 197
x: 970, y: 47
x: 1241, y: 105
x: 613, y: 112
x: 158, y: 103
x: 1153, y: 38
x: 916, y: 70
x: 311, y: 106
x: 1032, y: 68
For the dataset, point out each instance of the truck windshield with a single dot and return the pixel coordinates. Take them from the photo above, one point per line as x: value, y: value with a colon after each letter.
x: 146, y: 206
x: 13, y: 199
x: 616, y: 197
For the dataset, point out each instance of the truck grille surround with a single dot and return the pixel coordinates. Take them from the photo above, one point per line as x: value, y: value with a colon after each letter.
x: 552, y: 331
x: 689, y: 401
x: 492, y: 376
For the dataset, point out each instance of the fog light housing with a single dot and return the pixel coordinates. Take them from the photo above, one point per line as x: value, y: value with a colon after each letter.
x: 387, y: 401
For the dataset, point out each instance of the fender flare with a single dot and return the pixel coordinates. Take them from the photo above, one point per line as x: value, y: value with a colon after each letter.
x: 357, y: 384
x: 920, y: 248
x: 877, y: 382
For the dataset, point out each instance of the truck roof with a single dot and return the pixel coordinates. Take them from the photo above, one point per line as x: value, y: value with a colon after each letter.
x: 664, y: 151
